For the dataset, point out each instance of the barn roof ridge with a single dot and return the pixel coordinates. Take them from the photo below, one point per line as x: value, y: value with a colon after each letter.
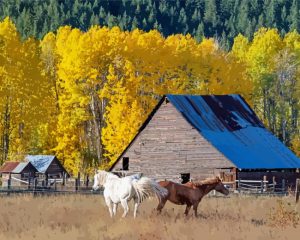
x: 20, y: 167
x: 40, y: 162
x: 232, y: 127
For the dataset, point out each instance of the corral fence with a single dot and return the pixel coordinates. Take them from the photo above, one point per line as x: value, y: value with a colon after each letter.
x: 42, y: 186
x: 38, y: 186
x: 263, y: 187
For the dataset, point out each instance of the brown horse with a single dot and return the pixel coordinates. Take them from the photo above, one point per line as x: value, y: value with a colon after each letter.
x: 190, y: 193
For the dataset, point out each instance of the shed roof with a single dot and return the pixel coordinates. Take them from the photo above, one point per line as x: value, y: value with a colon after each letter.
x: 40, y: 162
x: 8, y: 167
x: 233, y: 128
x: 21, y: 166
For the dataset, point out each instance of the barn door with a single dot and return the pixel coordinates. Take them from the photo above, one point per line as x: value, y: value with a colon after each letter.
x: 185, y: 177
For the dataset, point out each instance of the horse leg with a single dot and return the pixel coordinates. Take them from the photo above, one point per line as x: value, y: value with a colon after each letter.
x: 161, y: 204
x: 195, y: 207
x: 115, y: 206
x: 187, y: 209
x: 109, y: 205
x: 136, y: 205
x: 125, y: 206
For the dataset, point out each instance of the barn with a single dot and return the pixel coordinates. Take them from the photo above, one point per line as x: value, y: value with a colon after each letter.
x: 189, y: 136
x: 19, y: 172
x: 47, y: 165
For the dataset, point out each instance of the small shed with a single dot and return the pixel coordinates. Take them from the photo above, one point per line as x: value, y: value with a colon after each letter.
x: 47, y: 165
x: 18, y: 172
x: 189, y: 136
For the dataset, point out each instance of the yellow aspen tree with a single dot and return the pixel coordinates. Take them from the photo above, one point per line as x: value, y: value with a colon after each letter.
x: 23, y: 92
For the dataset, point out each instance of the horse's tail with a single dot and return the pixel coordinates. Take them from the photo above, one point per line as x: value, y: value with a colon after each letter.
x: 146, y: 187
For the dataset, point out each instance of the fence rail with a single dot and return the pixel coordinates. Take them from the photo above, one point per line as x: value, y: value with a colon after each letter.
x: 79, y: 186
x: 258, y: 186
x: 37, y: 186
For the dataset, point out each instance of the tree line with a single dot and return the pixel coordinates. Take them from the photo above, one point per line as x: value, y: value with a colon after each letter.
x: 82, y: 95
x: 221, y: 19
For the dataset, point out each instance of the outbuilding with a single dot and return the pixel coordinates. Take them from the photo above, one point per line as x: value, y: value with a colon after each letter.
x: 18, y: 172
x: 47, y: 165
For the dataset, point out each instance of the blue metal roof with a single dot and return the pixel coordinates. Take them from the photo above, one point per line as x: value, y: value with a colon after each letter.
x: 40, y: 162
x: 232, y: 127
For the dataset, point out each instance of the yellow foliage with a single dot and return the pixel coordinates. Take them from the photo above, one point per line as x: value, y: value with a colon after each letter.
x: 84, y: 95
x: 23, y: 94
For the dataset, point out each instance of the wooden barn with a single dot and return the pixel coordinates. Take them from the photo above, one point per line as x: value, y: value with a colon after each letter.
x: 200, y: 136
x: 19, y: 172
x: 47, y: 165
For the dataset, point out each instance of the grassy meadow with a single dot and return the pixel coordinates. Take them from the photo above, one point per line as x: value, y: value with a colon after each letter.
x: 86, y: 217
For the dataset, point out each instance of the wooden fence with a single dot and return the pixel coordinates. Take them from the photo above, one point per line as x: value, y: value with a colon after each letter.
x: 48, y: 186
x: 263, y: 187
x: 84, y: 186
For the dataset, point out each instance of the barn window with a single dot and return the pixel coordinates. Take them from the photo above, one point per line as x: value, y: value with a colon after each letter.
x: 125, y: 163
x: 185, y: 177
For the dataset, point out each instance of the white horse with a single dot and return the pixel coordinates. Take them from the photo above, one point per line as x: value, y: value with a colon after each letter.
x: 121, y: 190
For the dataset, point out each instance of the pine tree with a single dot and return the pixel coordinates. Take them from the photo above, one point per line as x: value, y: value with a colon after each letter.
x: 243, y: 16
x: 134, y: 24
x: 294, y: 17
x: 200, y: 32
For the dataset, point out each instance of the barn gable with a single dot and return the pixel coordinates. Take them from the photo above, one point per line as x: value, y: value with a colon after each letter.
x: 25, y: 167
x: 199, y: 134
x: 167, y: 146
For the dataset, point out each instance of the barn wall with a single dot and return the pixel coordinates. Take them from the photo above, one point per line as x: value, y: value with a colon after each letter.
x: 168, y: 146
x: 55, y: 168
x: 29, y: 169
x: 13, y: 183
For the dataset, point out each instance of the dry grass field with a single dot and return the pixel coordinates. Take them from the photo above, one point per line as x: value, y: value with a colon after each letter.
x: 86, y: 217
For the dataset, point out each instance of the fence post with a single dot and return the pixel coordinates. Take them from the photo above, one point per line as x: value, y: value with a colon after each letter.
x: 28, y: 183
x: 87, y: 181
x: 55, y: 184
x: 297, y: 191
x: 274, y: 183
x: 265, y: 184
x: 239, y: 185
x: 63, y: 178
x: 234, y: 177
x: 262, y: 186
x: 34, y: 183
x: 34, y: 186
x: 283, y: 185
x: 78, y: 177
x: 46, y: 180
x: 9, y: 183
x: 76, y: 184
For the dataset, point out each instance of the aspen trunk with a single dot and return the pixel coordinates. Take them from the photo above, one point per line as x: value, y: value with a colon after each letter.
x: 94, y: 105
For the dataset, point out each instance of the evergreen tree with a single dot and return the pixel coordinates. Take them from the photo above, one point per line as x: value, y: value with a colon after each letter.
x: 294, y: 17
x: 216, y: 16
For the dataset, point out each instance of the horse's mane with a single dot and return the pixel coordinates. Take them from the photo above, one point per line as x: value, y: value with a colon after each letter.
x: 103, y: 176
x: 206, y: 181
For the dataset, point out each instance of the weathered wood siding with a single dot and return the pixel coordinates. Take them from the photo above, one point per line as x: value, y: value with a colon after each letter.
x: 28, y: 171
x: 55, y: 168
x: 169, y: 145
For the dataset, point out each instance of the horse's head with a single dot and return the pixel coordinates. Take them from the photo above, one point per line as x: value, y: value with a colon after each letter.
x: 99, y: 179
x: 220, y: 187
